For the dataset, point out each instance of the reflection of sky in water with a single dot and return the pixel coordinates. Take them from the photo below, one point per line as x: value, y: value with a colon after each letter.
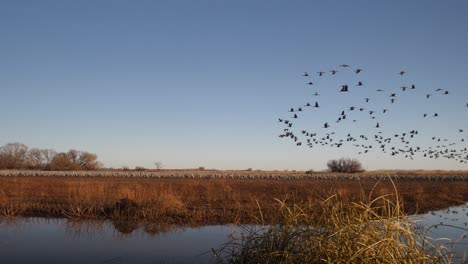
x: 38, y: 240
x: 56, y: 241
x: 451, y: 223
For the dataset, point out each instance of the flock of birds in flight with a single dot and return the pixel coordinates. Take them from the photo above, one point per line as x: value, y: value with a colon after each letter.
x: 397, y: 144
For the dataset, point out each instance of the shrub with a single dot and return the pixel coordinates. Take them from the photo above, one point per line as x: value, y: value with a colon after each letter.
x: 201, y: 168
x: 345, y: 165
x: 140, y: 168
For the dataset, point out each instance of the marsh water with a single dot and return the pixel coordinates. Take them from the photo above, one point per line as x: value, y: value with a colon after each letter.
x: 39, y: 240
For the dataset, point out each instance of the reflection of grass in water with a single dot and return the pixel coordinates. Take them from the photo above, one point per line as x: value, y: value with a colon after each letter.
x: 372, y: 230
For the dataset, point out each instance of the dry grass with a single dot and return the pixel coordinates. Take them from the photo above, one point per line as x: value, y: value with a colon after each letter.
x: 201, y: 201
x: 371, y: 230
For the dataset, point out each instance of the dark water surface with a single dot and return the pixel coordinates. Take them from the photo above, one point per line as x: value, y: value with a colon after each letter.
x: 39, y: 240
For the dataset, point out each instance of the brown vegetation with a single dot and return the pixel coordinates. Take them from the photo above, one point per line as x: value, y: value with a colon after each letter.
x: 195, y: 201
x: 19, y: 156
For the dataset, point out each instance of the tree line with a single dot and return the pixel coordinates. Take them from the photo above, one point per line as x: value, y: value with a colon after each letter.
x: 18, y: 156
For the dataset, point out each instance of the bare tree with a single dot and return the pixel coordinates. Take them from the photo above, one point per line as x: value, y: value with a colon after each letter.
x: 88, y: 161
x: 345, y: 165
x: 73, y: 155
x: 48, y: 155
x: 62, y: 161
x: 13, y: 156
x: 159, y: 165
x: 17, y: 156
x: 35, y: 159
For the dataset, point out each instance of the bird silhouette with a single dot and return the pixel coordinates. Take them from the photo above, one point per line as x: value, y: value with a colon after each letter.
x: 401, y: 144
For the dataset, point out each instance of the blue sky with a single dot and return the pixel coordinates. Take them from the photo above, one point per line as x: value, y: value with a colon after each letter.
x: 202, y: 83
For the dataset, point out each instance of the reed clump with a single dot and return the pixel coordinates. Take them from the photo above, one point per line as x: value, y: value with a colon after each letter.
x: 372, y: 230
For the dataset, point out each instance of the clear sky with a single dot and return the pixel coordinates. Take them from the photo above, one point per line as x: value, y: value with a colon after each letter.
x: 202, y: 83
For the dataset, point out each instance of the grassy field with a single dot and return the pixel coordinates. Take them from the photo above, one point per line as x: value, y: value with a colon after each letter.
x: 205, y: 200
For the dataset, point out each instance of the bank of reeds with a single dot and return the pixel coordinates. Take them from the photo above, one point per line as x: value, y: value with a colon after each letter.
x: 371, y: 230
x: 200, y: 201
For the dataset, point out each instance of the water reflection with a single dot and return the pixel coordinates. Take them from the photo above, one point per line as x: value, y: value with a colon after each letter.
x: 39, y: 240
x: 448, y: 227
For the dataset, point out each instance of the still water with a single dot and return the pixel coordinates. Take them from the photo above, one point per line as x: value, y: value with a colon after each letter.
x: 38, y: 240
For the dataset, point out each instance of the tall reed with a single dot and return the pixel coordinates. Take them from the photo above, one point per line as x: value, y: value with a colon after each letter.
x: 371, y: 230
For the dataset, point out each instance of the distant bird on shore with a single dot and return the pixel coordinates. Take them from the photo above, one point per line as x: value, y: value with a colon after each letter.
x: 320, y: 73
x: 305, y: 74
x: 402, y: 72
x: 358, y: 71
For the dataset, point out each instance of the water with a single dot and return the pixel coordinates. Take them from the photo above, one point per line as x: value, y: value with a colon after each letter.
x: 448, y: 227
x: 39, y: 240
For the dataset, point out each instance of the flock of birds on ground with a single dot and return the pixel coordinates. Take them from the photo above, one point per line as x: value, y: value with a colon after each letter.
x: 395, y: 144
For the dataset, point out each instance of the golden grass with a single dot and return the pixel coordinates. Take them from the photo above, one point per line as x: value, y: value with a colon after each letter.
x: 370, y: 230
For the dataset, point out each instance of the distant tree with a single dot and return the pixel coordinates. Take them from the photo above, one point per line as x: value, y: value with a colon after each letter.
x: 75, y: 160
x: 345, y: 165
x: 140, y: 168
x: 201, y: 168
x: 159, y: 165
x: 62, y: 161
x: 48, y: 155
x: 88, y: 161
x: 13, y: 156
x: 35, y: 159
